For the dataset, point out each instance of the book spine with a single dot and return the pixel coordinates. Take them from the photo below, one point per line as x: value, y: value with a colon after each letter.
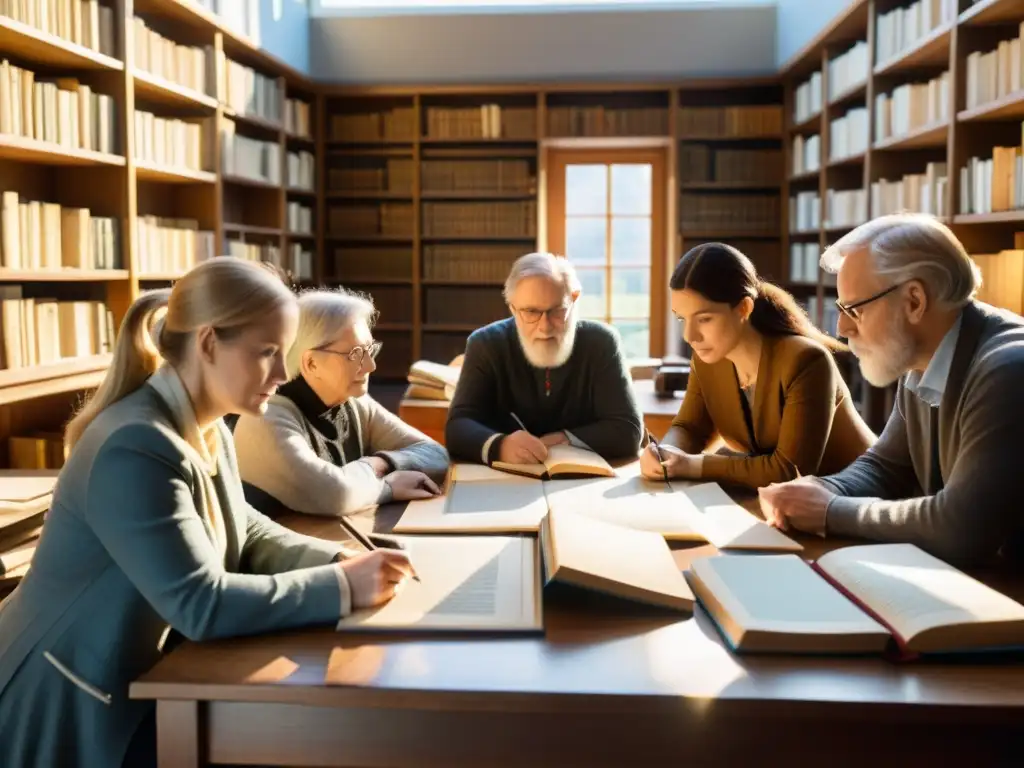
x: 898, y: 651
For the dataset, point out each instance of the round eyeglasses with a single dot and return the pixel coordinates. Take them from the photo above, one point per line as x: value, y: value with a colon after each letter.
x: 357, y: 355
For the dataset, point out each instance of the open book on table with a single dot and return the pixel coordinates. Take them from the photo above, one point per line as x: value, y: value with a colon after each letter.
x: 562, y: 461
x: 479, y: 499
x: 858, y: 599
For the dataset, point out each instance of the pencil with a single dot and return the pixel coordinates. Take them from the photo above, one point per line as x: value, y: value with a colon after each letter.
x: 520, y: 422
x: 657, y: 450
x: 363, y: 539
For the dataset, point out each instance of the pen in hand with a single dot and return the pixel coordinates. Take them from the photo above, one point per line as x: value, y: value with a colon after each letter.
x: 519, y: 422
x: 365, y: 540
x: 661, y: 458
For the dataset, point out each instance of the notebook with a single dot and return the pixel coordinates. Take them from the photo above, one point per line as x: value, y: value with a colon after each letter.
x: 466, y: 584
x: 875, y: 598
x: 562, y: 461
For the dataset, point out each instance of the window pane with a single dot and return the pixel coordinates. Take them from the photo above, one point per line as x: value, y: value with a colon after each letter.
x: 636, y: 337
x: 586, y: 190
x: 631, y: 241
x: 592, y: 302
x: 585, y: 240
x: 631, y: 293
x: 631, y: 189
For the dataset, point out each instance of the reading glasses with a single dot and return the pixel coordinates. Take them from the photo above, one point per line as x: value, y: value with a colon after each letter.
x: 357, y: 355
x: 852, y: 310
x: 532, y: 316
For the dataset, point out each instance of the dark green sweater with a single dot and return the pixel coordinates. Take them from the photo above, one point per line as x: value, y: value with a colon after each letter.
x: 591, y: 395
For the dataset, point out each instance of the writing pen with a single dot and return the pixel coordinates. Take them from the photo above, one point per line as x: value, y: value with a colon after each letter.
x: 363, y: 539
x: 657, y: 450
x: 519, y: 422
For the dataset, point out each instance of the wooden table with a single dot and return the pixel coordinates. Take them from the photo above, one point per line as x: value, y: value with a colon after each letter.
x: 626, y: 687
x: 429, y: 416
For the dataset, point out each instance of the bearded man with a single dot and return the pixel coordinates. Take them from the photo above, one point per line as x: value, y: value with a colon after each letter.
x: 945, y: 473
x: 542, y: 377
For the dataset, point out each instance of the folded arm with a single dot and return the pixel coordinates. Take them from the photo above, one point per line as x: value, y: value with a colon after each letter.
x: 140, y: 504
x: 977, y: 509
x: 806, y: 424
x: 402, y: 446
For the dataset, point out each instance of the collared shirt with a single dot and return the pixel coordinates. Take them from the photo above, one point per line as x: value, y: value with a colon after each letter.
x: 931, y: 385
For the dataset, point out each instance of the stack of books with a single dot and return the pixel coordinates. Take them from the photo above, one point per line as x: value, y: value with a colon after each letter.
x: 433, y: 381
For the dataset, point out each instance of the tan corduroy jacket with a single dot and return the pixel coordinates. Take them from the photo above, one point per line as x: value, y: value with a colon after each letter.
x: 802, y: 416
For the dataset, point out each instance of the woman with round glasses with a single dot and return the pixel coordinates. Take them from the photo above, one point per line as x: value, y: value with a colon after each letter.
x: 762, y: 379
x: 324, y: 446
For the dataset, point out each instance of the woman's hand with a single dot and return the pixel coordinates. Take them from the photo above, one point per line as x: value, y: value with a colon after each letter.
x: 407, y: 485
x: 675, y: 463
x: 374, y: 577
x: 380, y: 467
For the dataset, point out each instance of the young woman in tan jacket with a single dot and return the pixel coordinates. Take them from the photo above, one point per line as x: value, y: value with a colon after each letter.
x: 763, y: 379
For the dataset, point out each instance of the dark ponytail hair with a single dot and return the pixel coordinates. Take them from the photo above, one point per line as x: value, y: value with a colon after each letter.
x: 723, y: 274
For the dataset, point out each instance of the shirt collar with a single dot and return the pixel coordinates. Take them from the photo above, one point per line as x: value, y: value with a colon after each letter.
x: 930, y: 386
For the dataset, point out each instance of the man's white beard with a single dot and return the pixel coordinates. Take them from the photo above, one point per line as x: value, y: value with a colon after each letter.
x: 886, y: 362
x: 551, y: 353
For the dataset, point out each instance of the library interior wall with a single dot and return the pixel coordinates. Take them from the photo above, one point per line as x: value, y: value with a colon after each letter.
x: 799, y: 21
x: 284, y: 31
x: 578, y: 46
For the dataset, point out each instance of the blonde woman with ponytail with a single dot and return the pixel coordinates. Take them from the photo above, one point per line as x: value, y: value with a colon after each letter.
x: 762, y: 378
x: 149, y: 531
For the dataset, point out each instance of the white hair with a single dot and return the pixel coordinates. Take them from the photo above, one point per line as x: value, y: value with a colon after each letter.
x: 324, y: 315
x: 558, y: 269
x: 909, y: 246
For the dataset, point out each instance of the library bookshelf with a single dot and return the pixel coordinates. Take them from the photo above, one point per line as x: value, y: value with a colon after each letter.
x: 148, y: 135
x: 931, y: 97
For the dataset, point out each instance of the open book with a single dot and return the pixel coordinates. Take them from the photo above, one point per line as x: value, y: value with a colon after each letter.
x: 466, y: 583
x: 562, y: 461
x: 595, y: 555
x: 859, y: 599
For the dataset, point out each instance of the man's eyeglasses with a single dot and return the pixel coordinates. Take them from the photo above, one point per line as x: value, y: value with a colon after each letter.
x: 357, y: 355
x: 852, y: 310
x: 556, y: 315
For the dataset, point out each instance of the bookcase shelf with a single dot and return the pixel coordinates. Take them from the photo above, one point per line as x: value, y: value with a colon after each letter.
x: 925, y: 136
x: 1009, y: 106
x: 145, y: 171
x: 991, y: 12
x: 32, y: 45
x: 931, y: 50
x: 62, y: 276
x: 156, y: 88
x: 48, y: 153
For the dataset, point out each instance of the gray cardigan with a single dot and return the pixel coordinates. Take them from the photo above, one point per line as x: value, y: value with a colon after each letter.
x: 127, y: 553
x: 275, y: 456
x: 967, y: 506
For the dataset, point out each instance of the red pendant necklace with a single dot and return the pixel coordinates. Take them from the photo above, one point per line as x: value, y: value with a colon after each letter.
x: 547, y: 382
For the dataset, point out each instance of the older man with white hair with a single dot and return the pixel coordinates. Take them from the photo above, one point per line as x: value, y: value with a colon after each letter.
x: 542, y: 377
x: 945, y: 474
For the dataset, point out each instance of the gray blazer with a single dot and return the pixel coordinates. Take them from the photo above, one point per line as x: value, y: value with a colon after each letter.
x: 125, y: 555
x: 948, y: 479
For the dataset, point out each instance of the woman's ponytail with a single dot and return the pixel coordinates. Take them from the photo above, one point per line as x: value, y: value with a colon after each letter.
x: 776, y: 313
x: 135, y: 359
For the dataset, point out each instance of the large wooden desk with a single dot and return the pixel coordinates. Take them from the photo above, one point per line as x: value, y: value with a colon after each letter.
x: 626, y: 688
x: 429, y: 416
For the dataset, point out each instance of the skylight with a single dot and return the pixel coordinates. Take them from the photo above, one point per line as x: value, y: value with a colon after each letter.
x: 383, y: 7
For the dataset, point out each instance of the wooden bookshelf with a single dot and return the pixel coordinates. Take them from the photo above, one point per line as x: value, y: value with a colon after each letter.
x: 147, y: 201
x: 947, y: 142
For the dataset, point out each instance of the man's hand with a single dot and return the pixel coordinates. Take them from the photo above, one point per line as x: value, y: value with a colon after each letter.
x: 800, y: 503
x: 555, y: 438
x: 522, y: 448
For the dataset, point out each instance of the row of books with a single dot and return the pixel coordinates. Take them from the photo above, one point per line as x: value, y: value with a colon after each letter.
x: 901, y: 29
x: 61, y: 111
x: 739, y: 121
x: 37, y: 331
x: 477, y: 176
x: 385, y: 220
x: 469, y: 263
x: 803, y: 262
x: 804, y: 212
x: 731, y: 213
x: 36, y: 235
x: 701, y: 163
x: 297, y: 118
x: 396, y: 124
x: 805, y: 156
x: 486, y: 121
x: 385, y: 263
x: 295, y: 260
x: 250, y: 93
x: 477, y: 306
x: 484, y: 219
x: 37, y: 450
x: 848, y: 70
x: 172, y: 142
x: 911, y: 106
x: 299, y: 218
x: 301, y: 170
x: 845, y: 208
x: 186, y: 65
x: 607, y: 121
x: 249, y: 158
x: 995, y: 73
x: 920, y: 192
x: 88, y: 23
x: 25, y: 498
x: 995, y: 183
x: 171, y: 246
x: 848, y: 135
x: 1002, y: 276
x: 807, y: 98
x: 393, y: 175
